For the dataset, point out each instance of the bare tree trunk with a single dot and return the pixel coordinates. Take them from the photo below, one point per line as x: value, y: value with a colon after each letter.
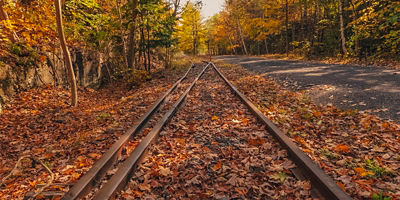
x: 124, y: 45
x: 132, y: 46
x: 293, y: 25
x: 3, y: 16
x: 143, y: 47
x: 194, y: 34
x: 132, y: 42
x: 233, y: 48
x: 287, y: 28
x: 241, y: 38
x: 342, y: 27
x: 67, y: 56
x: 166, y: 57
x: 100, y: 65
x: 301, y: 35
x: 148, y: 49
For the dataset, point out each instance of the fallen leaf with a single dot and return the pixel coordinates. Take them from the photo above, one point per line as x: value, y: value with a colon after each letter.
x: 363, y: 172
x: 181, y: 141
x: 241, y: 191
x: 279, y: 176
x: 217, y: 166
x: 94, y: 155
x: 317, y: 114
x: 341, y: 185
x: 359, y: 170
x: 232, y: 180
x: 256, y: 142
x: 342, y: 148
x: 75, y: 176
x: 144, y: 187
x: 235, y: 121
x: 165, y: 171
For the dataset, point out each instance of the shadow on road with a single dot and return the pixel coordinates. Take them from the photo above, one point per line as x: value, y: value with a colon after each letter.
x: 370, y: 89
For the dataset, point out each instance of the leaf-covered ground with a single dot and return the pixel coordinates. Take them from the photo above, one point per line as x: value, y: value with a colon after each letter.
x: 358, y: 150
x: 68, y: 140
x: 215, y: 149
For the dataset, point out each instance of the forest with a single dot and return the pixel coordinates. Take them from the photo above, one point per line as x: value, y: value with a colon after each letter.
x: 104, y: 41
x: 122, y: 36
x: 335, y: 28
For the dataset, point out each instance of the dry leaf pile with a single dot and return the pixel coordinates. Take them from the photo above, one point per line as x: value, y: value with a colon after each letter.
x: 358, y: 150
x: 214, y: 148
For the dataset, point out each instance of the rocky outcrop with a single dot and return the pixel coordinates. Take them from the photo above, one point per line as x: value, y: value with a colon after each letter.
x: 15, y: 77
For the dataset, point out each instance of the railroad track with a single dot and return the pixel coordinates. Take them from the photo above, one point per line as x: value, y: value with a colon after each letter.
x: 117, y: 169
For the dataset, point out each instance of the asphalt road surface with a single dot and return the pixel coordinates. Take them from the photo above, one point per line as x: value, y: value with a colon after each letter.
x: 370, y: 89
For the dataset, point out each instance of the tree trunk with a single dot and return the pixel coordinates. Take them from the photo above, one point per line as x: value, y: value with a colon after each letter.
x: 241, y: 38
x: 3, y: 16
x: 194, y: 33
x: 132, y: 41
x: 143, y: 47
x: 148, y: 50
x: 100, y: 56
x: 287, y: 28
x: 293, y: 24
x: 124, y: 45
x: 67, y: 56
x: 301, y: 35
x: 166, y: 57
x: 342, y: 28
x: 132, y: 46
x: 306, y: 21
x: 233, y: 47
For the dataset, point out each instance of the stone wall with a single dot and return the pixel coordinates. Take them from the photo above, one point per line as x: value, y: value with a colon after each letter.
x: 87, y: 65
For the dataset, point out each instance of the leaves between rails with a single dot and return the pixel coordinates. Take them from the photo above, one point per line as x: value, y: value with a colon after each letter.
x: 342, y: 142
x: 121, y: 173
x: 217, y: 159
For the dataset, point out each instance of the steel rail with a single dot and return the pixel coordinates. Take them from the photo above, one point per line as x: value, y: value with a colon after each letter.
x: 319, y: 179
x: 123, y: 174
x: 98, y: 170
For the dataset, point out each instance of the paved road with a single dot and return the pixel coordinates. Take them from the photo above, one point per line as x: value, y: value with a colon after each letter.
x: 370, y: 89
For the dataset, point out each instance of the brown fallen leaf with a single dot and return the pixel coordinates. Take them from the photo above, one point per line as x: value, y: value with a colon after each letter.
x: 145, y: 187
x: 165, y: 171
x: 256, y: 142
x: 217, y: 166
x: 232, y: 180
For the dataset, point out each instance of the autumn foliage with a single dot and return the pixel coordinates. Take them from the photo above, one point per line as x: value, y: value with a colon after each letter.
x: 311, y: 28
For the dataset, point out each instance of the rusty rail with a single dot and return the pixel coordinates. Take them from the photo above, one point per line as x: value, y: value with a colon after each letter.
x: 325, y: 186
x: 98, y: 170
x: 121, y: 177
x: 321, y: 181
